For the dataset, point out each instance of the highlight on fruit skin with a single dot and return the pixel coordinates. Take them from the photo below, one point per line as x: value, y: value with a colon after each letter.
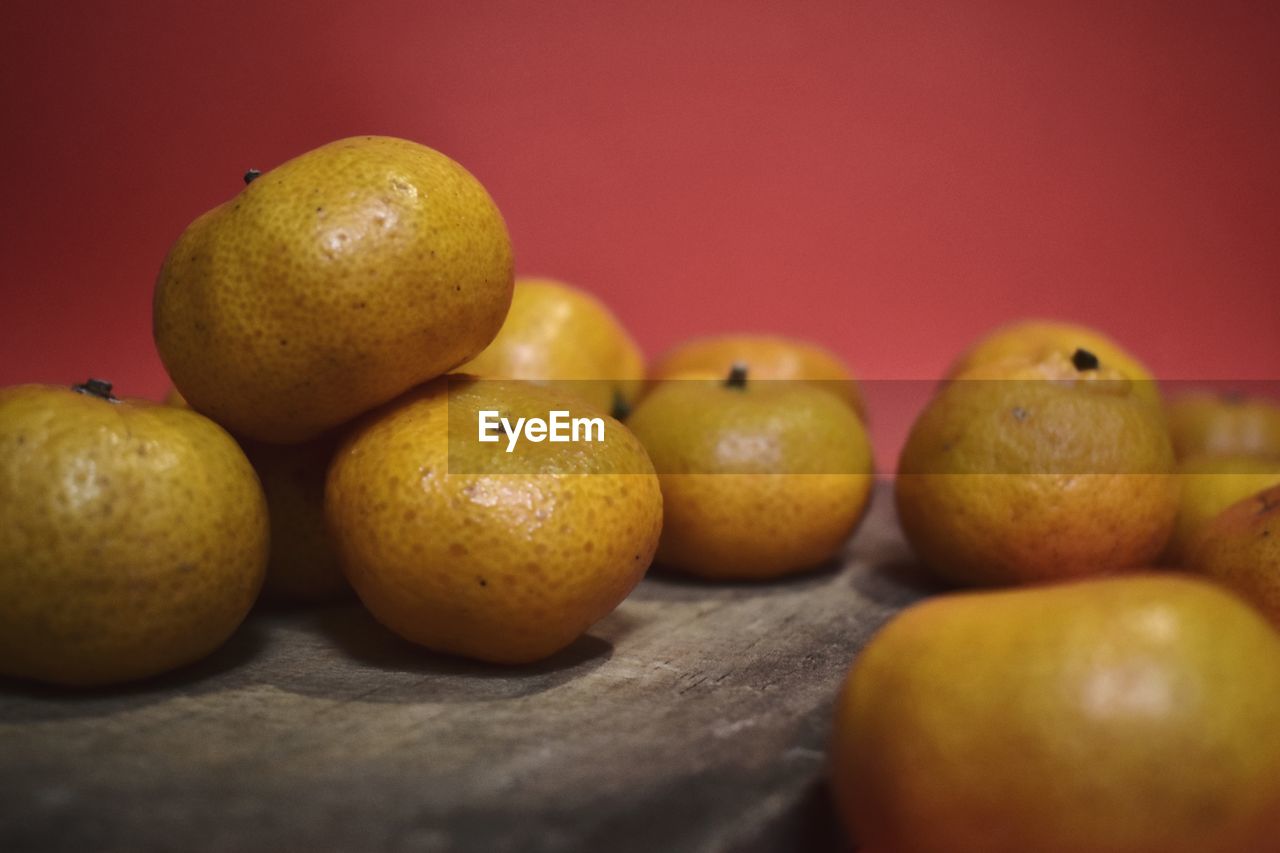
x: 134, y: 536
x: 466, y: 549
x: 1131, y: 714
x: 330, y: 284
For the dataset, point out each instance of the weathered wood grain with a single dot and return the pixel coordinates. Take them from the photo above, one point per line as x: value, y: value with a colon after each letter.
x: 692, y: 719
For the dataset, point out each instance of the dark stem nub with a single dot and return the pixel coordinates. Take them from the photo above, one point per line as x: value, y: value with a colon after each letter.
x: 1084, y: 360
x: 621, y: 408
x: 737, y: 376
x: 95, y: 388
x: 251, y: 175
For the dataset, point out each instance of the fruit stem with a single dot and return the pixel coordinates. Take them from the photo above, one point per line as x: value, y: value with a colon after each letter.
x: 251, y: 175
x: 1084, y: 360
x: 737, y: 376
x: 620, y: 408
x: 99, y: 388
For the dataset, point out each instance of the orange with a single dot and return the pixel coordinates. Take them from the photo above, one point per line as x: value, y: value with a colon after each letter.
x: 1123, y: 715
x: 555, y: 331
x: 464, y: 548
x: 331, y: 284
x: 134, y: 535
x: 1241, y: 548
x: 303, y: 568
x: 1036, y: 470
x: 765, y: 357
x: 1210, y: 484
x: 1208, y: 423
x: 1034, y: 340
x: 760, y: 478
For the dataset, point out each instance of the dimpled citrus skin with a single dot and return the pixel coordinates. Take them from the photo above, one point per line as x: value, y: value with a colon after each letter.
x: 450, y: 552
x: 1241, y: 549
x: 1028, y: 479
x: 133, y: 536
x: 766, y: 357
x: 329, y: 285
x: 557, y: 331
x: 1123, y: 715
x: 758, y: 482
x: 1036, y: 339
x: 1210, y: 484
x: 1203, y: 423
x: 303, y: 567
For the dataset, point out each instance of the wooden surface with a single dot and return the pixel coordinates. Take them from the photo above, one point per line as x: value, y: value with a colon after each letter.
x: 692, y: 719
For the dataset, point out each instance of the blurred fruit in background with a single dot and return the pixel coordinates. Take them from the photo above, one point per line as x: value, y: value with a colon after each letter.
x: 1210, y: 484
x: 1036, y: 469
x: 766, y: 357
x: 760, y: 478
x: 1036, y: 340
x: 1241, y: 548
x: 555, y: 331
x: 1224, y: 423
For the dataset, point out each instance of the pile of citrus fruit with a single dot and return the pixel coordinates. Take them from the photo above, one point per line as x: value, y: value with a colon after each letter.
x: 334, y: 334
x: 340, y: 333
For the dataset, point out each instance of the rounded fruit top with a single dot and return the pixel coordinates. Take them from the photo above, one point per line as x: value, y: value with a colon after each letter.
x: 134, y: 538
x: 329, y: 285
x: 740, y: 424
x: 1034, y: 340
x: 1128, y: 715
x: 766, y: 357
x: 465, y: 548
x: 760, y: 478
x: 1024, y: 470
x: 555, y: 331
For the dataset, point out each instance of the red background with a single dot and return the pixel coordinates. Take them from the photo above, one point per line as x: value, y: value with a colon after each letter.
x: 889, y: 179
